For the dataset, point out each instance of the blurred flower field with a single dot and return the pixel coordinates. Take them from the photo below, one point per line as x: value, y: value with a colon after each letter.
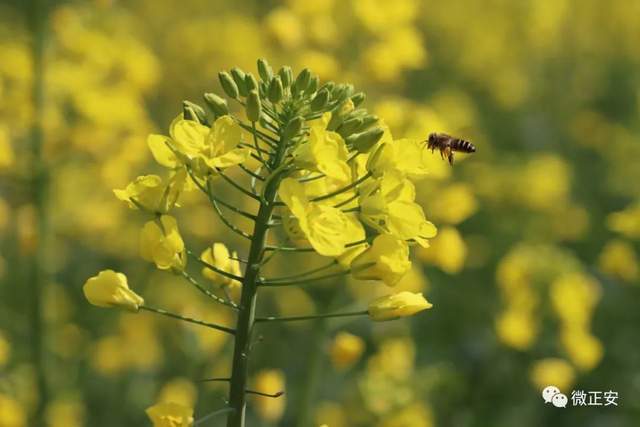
x: 532, y: 275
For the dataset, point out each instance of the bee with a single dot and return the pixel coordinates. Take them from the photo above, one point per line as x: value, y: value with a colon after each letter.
x: 448, y: 145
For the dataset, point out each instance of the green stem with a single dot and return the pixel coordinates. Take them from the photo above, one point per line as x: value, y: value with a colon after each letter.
x: 37, y: 18
x: 316, y: 316
x: 188, y: 319
x: 202, y: 289
x: 248, y: 299
x: 270, y: 283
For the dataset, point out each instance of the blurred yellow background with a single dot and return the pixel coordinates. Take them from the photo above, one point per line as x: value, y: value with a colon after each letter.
x: 533, y: 276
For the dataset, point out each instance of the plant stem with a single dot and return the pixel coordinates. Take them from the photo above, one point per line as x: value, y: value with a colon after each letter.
x: 37, y: 12
x: 187, y: 319
x: 311, y: 317
x: 246, y: 314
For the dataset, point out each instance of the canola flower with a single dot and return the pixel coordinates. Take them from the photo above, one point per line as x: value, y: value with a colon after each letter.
x: 315, y: 163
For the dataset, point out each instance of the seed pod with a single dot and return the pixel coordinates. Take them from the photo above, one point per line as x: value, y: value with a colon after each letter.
x: 349, y: 126
x: 250, y: 82
x: 358, y: 98
x: 192, y: 111
x: 313, y: 85
x: 286, y: 74
x: 302, y: 81
x: 238, y: 77
x: 264, y: 70
x: 218, y: 105
x: 253, y: 106
x: 320, y: 100
x: 363, y: 141
x: 275, y: 90
x: 228, y: 85
x: 293, y: 128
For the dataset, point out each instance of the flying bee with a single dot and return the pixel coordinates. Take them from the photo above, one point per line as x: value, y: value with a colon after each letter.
x: 448, y: 145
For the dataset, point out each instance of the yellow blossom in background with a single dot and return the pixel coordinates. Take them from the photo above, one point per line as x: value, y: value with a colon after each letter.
x: 5, y: 349
x: 218, y: 256
x: 346, y: 350
x: 574, y: 297
x: 454, y: 204
x: 161, y: 243
x: 517, y: 329
x: 179, y: 390
x: 13, y: 414
x: 7, y: 156
x: 110, y: 289
x: 402, y: 304
x: 387, y: 259
x: 269, y: 381
x: 552, y: 371
x: 584, y: 349
x: 619, y: 260
x: 332, y: 413
x: 414, y: 415
x: 626, y: 222
x: 170, y: 414
x: 447, y: 251
x: 66, y: 412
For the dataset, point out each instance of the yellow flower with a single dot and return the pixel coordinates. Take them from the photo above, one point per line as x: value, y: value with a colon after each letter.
x: 150, y: 193
x: 584, y: 349
x: 574, y: 297
x: 218, y: 256
x: 406, y: 157
x: 217, y: 146
x: 5, y: 350
x: 170, y: 414
x: 346, y: 350
x: 110, y: 289
x: 516, y: 328
x: 325, y: 152
x: 13, y: 414
x: 552, y: 371
x: 402, y: 304
x: 328, y: 229
x: 619, y: 260
x: 626, y: 222
x: 387, y: 260
x: 448, y: 251
x: 454, y: 204
x: 7, y: 157
x: 270, y: 381
x: 161, y: 243
x: 387, y: 205
x: 179, y: 390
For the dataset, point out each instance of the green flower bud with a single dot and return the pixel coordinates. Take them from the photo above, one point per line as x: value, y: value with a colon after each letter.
x: 192, y: 111
x: 264, y: 70
x: 253, y: 106
x: 293, y: 128
x: 349, y: 126
x: 217, y: 104
x: 250, y: 82
x: 367, y: 122
x: 372, y: 161
x: 302, y: 81
x: 228, y: 85
x: 320, y: 100
x: 313, y: 85
x: 238, y: 77
x: 336, y: 120
x: 358, y: 98
x: 363, y: 141
x: 286, y: 74
x: 275, y: 90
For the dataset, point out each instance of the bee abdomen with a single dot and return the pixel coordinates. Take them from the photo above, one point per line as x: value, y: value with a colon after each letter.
x: 463, y: 146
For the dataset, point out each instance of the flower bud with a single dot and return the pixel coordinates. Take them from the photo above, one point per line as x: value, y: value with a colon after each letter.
x: 302, y: 81
x: 286, y: 74
x: 218, y: 105
x: 264, y: 70
x: 293, y: 128
x: 373, y: 161
x: 363, y: 141
x: 402, y: 304
x: 349, y: 126
x: 275, y: 89
x: 314, y: 81
x: 191, y: 111
x: 110, y: 289
x: 228, y: 85
x: 250, y: 82
x: 358, y: 98
x: 367, y: 121
x: 253, y: 106
x: 238, y: 77
x: 320, y: 100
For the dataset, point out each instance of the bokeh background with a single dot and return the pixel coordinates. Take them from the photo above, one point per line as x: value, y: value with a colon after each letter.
x: 533, y: 276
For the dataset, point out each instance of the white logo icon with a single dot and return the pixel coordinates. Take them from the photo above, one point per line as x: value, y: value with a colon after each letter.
x: 549, y: 392
x: 559, y: 400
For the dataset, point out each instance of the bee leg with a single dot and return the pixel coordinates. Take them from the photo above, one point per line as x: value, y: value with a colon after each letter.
x: 450, y: 157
